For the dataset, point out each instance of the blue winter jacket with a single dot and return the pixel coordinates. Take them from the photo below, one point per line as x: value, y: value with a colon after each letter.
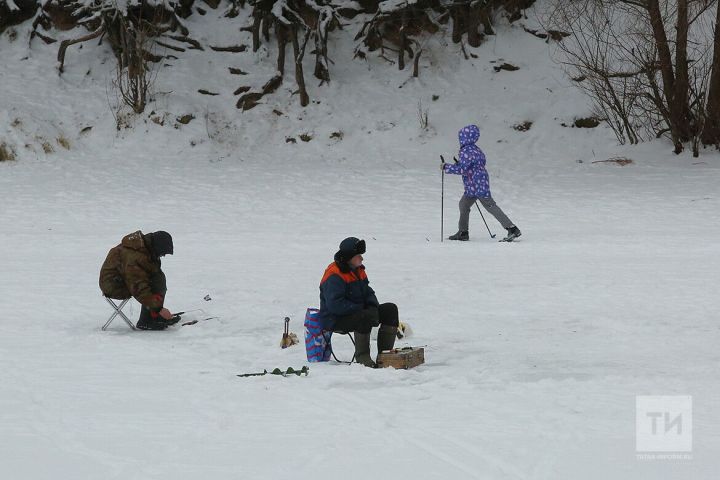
x: 471, y: 164
x: 344, y: 292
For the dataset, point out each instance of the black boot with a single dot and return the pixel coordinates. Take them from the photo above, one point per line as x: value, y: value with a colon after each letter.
x: 513, y: 233
x: 462, y: 236
x: 362, y: 349
x: 151, y: 325
x: 147, y: 322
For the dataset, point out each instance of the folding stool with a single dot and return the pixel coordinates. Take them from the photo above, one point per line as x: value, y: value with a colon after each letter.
x: 328, y: 343
x: 117, y: 311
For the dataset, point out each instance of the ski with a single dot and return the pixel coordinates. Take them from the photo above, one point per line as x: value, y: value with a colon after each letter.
x: 509, y: 238
x: 513, y: 233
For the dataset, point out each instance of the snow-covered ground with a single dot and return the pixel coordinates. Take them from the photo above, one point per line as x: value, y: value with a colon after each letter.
x: 535, y: 351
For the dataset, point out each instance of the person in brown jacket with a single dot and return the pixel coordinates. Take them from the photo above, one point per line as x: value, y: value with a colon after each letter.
x: 133, y: 269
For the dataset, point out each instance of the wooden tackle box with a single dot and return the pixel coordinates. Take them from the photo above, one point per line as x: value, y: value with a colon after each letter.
x: 407, y: 357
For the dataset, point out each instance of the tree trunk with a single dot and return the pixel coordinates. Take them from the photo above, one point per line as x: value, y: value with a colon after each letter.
x: 281, y: 33
x: 321, y: 61
x: 711, y: 130
x: 666, y: 68
x: 457, y: 24
x: 266, y: 21
x: 473, y: 22
x: 403, y: 46
x: 486, y: 22
x: 299, y: 76
x: 257, y: 18
x: 681, y: 107
x: 66, y: 43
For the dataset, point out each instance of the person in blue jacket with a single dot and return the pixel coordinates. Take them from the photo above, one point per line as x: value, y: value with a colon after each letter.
x: 477, y: 185
x: 348, y: 302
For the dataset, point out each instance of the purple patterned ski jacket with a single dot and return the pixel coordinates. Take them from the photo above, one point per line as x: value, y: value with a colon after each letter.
x: 471, y: 164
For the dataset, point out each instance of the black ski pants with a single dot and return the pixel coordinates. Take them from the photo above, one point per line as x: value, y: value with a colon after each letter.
x: 364, y: 320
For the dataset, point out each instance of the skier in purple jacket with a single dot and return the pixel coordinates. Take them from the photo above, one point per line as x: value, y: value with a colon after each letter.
x: 477, y: 185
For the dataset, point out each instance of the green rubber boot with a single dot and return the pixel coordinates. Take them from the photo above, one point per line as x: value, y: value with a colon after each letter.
x: 362, y: 349
x: 386, y: 338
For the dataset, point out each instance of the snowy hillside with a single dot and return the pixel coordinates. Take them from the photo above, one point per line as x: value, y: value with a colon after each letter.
x: 535, y: 351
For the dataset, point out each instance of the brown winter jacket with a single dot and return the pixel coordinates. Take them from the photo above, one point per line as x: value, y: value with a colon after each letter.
x: 128, y: 269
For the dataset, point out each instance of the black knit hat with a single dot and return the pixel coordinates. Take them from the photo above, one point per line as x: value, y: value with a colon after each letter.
x: 162, y: 243
x: 350, y: 247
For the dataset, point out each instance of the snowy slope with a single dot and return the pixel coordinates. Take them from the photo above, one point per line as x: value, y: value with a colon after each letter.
x: 535, y: 351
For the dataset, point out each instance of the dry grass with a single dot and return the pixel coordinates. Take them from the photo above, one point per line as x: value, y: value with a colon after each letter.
x: 6, y: 152
x: 589, y: 122
x: 63, y: 142
x: 523, y: 127
x: 123, y: 120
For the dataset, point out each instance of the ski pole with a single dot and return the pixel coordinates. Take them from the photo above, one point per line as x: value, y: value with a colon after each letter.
x: 442, y: 197
x: 492, y: 235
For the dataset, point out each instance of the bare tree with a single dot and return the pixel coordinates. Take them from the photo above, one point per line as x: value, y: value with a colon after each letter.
x: 595, y: 56
x: 295, y: 22
x: 134, y: 73
x: 643, y: 63
x: 105, y: 19
x: 711, y: 128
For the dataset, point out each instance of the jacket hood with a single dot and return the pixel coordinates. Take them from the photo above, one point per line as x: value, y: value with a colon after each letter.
x: 145, y: 243
x: 469, y: 135
x: 134, y: 241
